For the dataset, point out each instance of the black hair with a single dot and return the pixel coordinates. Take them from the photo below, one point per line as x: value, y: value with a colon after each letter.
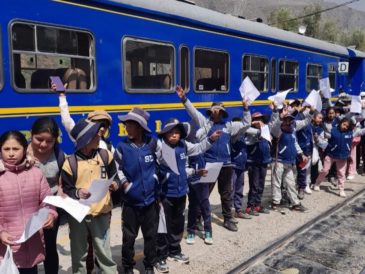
x: 17, y: 136
x: 46, y: 124
x: 345, y: 119
x: 328, y: 110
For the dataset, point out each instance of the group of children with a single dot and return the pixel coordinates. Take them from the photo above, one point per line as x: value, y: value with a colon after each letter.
x: 152, y: 189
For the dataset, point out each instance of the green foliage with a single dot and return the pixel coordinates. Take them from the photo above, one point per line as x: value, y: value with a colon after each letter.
x: 282, y: 18
x: 312, y: 22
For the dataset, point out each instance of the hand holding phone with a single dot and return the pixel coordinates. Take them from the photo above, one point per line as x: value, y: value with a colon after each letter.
x: 57, y: 84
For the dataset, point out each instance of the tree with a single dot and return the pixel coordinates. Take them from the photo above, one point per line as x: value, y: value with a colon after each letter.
x: 329, y: 31
x: 282, y: 18
x: 357, y: 39
x: 312, y: 22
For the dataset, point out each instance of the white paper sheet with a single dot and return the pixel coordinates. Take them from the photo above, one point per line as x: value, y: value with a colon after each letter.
x: 71, y: 206
x: 98, y: 189
x: 279, y: 98
x: 34, y: 224
x: 324, y: 86
x: 248, y: 91
x: 213, y: 172
x: 265, y: 133
x: 162, y: 228
x: 314, y: 100
x: 168, y: 154
x: 355, y: 104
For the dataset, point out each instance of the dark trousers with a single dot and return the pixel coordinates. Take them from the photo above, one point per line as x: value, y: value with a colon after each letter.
x: 51, y: 262
x: 199, y: 205
x: 134, y: 218
x: 33, y: 270
x: 225, y: 190
x: 237, y: 188
x: 169, y: 243
x: 314, y: 173
x: 256, y: 180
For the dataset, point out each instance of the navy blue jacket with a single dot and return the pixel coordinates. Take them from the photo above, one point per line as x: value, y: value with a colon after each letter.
x: 138, y: 165
x: 305, y: 136
x: 220, y: 150
x: 259, y: 152
x: 239, y: 153
x: 339, y: 145
x: 287, y: 153
x: 174, y: 185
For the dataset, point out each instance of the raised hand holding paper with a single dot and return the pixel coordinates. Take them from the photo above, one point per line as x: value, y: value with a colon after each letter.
x: 279, y: 98
x: 314, y: 100
x: 248, y: 91
x: 324, y: 86
x: 355, y: 104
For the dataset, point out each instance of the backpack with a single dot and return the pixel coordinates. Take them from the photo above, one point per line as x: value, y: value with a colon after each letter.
x: 60, y: 156
x: 103, y: 153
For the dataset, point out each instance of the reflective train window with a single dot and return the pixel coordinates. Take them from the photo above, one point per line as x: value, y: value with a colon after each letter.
x: 288, y: 75
x: 184, y: 68
x: 314, y: 74
x: 148, y: 66
x: 332, y: 68
x: 40, y: 51
x: 257, y: 68
x: 210, y: 71
x: 273, y: 75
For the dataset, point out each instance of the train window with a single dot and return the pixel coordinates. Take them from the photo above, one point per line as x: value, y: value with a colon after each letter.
x: 273, y: 75
x: 257, y: 68
x: 148, y: 66
x: 288, y: 75
x: 210, y: 71
x: 314, y: 74
x: 184, y: 68
x: 40, y: 51
x: 332, y: 68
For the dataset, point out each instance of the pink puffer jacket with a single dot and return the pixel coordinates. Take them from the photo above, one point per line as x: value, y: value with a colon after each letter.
x: 22, y: 191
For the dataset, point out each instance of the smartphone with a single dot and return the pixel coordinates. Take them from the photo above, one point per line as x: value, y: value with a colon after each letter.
x: 58, y: 83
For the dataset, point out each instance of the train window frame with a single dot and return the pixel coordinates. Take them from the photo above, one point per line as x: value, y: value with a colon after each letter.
x: 194, y: 68
x: 313, y: 76
x: 254, y: 71
x: 187, y: 88
x: 273, y: 75
x: 297, y: 75
x: 335, y: 65
x: 87, y: 72
x: 2, y: 80
x: 148, y: 90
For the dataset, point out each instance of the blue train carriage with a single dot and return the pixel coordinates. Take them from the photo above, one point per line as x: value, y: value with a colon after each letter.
x: 118, y: 54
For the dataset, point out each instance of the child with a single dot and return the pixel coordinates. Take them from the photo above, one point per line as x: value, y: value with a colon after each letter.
x: 287, y: 150
x: 174, y: 188
x: 22, y: 190
x: 318, y: 132
x: 220, y: 151
x: 90, y: 166
x: 137, y: 170
x: 338, y: 151
x: 258, y: 158
x: 47, y: 155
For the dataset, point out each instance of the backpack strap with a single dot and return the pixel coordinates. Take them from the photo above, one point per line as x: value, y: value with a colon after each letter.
x: 73, y: 166
x: 104, y: 156
x: 60, y: 157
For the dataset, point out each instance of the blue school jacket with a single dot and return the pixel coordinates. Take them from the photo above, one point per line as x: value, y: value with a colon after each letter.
x: 239, y: 153
x: 259, y: 152
x: 339, y: 145
x: 220, y: 150
x: 287, y: 153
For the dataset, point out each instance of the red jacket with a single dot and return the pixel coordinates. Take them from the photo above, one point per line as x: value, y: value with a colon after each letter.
x: 22, y: 191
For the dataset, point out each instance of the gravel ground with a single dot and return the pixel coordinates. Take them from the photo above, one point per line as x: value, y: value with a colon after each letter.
x: 229, y: 248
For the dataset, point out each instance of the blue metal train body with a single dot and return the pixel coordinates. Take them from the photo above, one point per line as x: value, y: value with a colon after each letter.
x: 216, y: 49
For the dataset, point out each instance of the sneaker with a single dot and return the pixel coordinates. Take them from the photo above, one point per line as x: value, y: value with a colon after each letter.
x: 208, y: 239
x: 190, y: 239
x: 307, y: 190
x: 316, y: 188
x: 299, y: 208
x: 242, y: 215
x: 261, y: 209
x: 342, y: 194
x: 149, y: 271
x: 301, y: 194
x: 251, y: 211
x: 350, y: 177
x: 162, y: 267
x: 228, y: 224
x: 181, y: 258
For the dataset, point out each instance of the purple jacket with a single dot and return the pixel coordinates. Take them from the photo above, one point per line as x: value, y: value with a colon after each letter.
x: 22, y: 190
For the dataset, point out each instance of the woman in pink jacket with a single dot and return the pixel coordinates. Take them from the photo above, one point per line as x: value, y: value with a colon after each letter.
x: 22, y: 190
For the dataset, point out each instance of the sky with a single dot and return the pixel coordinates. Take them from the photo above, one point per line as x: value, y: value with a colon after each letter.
x: 360, y: 5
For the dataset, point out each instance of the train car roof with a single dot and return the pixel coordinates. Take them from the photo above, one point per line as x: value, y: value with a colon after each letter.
x: 226, y: 22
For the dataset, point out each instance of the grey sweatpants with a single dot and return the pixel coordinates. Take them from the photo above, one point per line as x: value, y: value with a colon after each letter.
x: 284, y: 174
